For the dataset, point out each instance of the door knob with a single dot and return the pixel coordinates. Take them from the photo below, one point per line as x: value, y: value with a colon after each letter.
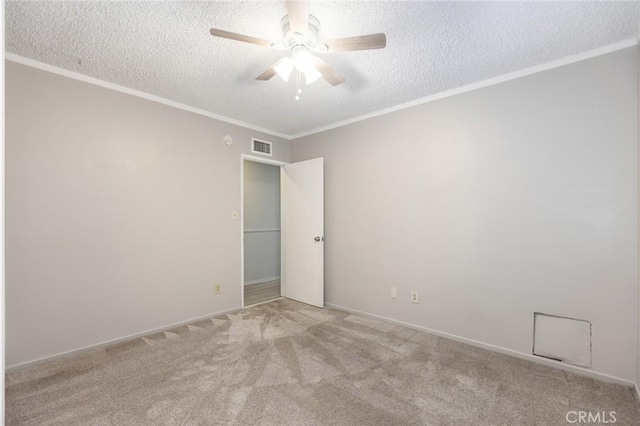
x: 318, y: 239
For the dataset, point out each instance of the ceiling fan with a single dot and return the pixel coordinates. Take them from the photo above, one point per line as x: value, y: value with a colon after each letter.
x: 300, y: 36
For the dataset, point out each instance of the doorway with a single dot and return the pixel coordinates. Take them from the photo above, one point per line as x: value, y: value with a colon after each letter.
x: 261, y: 232
x: 281, y: 230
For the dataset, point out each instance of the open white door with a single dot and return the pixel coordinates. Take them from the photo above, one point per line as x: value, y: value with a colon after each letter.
x: 303, y: 238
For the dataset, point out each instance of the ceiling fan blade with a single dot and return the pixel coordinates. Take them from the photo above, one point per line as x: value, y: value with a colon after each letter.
x: 298, y: 16
x: 268, y: 74
x: 239, y: 37
x: 365, y: 42
x: 328, y: 74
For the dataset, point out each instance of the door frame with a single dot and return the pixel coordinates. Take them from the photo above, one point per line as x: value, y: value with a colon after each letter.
x: 256, y: 159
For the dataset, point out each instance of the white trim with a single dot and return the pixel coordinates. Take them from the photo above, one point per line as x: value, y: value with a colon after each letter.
x: 3, y: 310
x: 578, y: 370
x: 283, y: 233
x: 253, y: 231
x: 263, y: 160
x: 262, y: 280
x: 114, y: 341
x: 637, y: 393
x: 478, y: 85
x: 92, y: 80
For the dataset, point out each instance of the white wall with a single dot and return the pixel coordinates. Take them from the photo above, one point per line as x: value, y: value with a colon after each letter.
x: 118, y: 214
x: 261, y: 212
x: 493, y: 204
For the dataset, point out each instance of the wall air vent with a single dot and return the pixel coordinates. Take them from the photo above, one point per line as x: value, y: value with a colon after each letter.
x: 261, y: 147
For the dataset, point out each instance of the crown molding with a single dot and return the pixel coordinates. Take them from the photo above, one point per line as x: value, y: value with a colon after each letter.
x: 478, y: 85
x: 92, y: 80
x: 431, y: 98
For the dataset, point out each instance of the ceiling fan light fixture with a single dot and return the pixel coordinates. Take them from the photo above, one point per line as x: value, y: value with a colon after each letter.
x: 311, y: 75
x: 284, y: 68
x: 303, y: 60
x: 300, y: 36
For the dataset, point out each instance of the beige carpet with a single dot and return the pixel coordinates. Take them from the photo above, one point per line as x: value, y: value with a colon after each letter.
x: 285, y: 363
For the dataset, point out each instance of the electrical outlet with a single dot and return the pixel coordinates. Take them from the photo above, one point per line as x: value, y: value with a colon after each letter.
x: 414, y: 297
x: 218, y: 288
x: 394, y: 293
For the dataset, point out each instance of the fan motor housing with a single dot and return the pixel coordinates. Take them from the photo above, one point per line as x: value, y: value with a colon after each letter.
x: 308, y: 40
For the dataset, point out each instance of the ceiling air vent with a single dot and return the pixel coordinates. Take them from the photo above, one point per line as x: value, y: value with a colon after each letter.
x: 261, y: 147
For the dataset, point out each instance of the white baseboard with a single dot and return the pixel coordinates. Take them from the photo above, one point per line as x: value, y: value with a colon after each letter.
x: 73, y: 352
x: 261, y: 280
x: 556, y: 364
x: 637, y: 392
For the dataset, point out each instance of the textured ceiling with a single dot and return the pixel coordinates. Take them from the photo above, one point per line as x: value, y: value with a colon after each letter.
x: 164, y: 48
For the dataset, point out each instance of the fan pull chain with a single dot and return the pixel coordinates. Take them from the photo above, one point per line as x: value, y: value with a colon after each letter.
x: 298, y: 89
